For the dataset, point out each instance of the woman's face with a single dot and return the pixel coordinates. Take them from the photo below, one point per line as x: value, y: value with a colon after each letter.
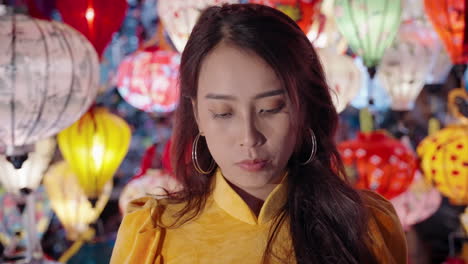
x: 244, y: 113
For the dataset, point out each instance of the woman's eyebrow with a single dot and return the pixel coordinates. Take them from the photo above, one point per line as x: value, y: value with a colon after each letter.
x: 233, y: 98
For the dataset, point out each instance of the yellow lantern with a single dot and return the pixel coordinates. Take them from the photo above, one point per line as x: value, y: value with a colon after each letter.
x: 69, y: 201
x: 94, y: 147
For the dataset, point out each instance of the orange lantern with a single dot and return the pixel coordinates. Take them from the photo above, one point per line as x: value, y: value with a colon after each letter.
x: 383, y: 163
x: 449, y: 19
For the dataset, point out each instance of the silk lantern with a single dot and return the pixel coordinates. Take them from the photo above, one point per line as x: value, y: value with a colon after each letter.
x: 69, y: 200
x: 343, y: 77
x: 30, y: 175
x: 94, y: 147
x: 383, y: 164
x: 369, y: 26
x: 180, y: 16
x: 328, y: 36
x: 98, y: 20
x: 406, y: 64
x: 48, y: 79
x: 449, y: 19
x: 148, y: 80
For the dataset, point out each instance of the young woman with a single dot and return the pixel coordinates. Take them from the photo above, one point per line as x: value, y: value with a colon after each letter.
x: 253, y: 148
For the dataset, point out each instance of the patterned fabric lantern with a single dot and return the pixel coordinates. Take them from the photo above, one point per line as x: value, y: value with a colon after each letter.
x: 444, y: 160
x: 383, y: 164
x: 69, y: 201
x: 328, y: 36
x: 48, y: 77
x: 94, y: 147
x: 418, y: 203
x: 449, y: 19
x: 148, y: 80
x: 153, y: 183
x: 406, y: 64
x: 180, y: 16
x: 440, y: 65
x: 96, y: 19
x: 30, y: 175
x: 343, y: 77
x: 369, y: 26
x: 302, y: 12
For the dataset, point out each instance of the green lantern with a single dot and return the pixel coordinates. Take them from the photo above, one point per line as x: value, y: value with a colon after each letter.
x: 369, y: 26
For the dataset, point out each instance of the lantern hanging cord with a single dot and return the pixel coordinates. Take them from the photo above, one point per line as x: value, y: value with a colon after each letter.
x: 88, y: 235
x: 372, y: 71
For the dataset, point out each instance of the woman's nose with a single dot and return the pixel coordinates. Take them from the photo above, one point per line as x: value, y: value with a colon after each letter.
x: 251, y: 136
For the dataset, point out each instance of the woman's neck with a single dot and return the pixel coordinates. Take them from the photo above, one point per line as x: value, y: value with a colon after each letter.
x: 254, y: 198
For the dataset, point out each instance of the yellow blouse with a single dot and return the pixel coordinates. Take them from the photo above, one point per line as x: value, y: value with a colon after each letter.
x: 227, y: 231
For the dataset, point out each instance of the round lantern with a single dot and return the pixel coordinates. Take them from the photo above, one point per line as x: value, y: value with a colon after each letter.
x: 148, y: 80
x: 444, y: 160
x: 418, y: 203
x: 343, y: 77
x: 180, y: 16
x: 94, y: 147
x: 368, y: 26
x: 96, y: 19
x: 30, y: 175
x: 48, y: 77
x: 324, y: 32
x: 303, y: 12
x: 383, y: 164
x: 69, y: 201
x: 406, y: 64
x: 449, y: 20
x: 153, y: 183
x: 440, y: 65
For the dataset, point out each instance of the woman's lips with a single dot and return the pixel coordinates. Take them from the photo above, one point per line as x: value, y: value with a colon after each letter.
x: 253, y: 165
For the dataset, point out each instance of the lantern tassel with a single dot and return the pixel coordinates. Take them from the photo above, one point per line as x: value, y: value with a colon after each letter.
x: 433, y: 126
x: 88, y: 235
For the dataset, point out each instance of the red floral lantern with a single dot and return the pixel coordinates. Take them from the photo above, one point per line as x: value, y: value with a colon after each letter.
x: 302, y: 12
x: 449, y: 18
x: 148, y: 80
x: 383, y: 163
x: 96, y: 19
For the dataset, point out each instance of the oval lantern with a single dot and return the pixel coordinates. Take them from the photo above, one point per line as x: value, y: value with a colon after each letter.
x: 343, y: 77
x: 94, y: 147
x: 368, y: 26
x: 148, y: 80
x: 383, y: 164
x: 179, y: 17
x: 449, y: 19
x: 69, y: 201
x: 98, y: 20
x: 444, y: 161
x: 49, y: 77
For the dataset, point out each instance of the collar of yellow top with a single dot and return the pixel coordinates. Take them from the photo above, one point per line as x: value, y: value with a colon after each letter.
x: 234, y: 205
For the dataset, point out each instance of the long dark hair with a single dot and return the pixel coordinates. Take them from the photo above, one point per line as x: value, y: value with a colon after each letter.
x: 327, y: 218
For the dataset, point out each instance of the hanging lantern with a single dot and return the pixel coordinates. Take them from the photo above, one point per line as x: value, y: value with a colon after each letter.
x: 30, y: 175
x: 69, y: 201
x: 418, y: 203
x: 406, y: 64
x: 303, y: 12
x: 148, y: 80
x: 368, y: 26
x: 324, y: 32
x: 383, y: 164
x: 98, y: 20
x: 343, y: 77
x: 48, y: 79
x: 94, y: 147
x: 153, y: 183
x: 180, y: 16
x: 449, y: 19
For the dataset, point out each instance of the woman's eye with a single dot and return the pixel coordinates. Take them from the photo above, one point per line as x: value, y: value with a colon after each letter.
x: 222, y: 115
x: 272, y: 111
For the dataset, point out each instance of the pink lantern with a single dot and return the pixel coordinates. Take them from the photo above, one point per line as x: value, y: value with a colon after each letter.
x: 418, y: 203
x: 148, y: 80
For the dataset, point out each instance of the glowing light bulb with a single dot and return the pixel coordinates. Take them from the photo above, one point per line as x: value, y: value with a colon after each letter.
x: 89, y: 14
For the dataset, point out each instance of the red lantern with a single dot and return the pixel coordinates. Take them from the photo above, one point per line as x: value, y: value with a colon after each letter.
x: 96, y: 19
x: 148, y: 80
x: 301, y: 11
x: 449, y: 18
x: 383, y: 164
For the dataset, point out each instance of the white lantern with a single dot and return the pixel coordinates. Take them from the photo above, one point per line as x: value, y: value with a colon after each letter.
x: 30, y: 175
x: 406, y: 63
x: 343, y: 77
x: 179, y: 17
x: 49, y: 77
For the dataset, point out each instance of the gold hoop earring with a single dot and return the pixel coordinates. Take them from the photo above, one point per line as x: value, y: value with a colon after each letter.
x: 314, y: 147
x: 196, y: 165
